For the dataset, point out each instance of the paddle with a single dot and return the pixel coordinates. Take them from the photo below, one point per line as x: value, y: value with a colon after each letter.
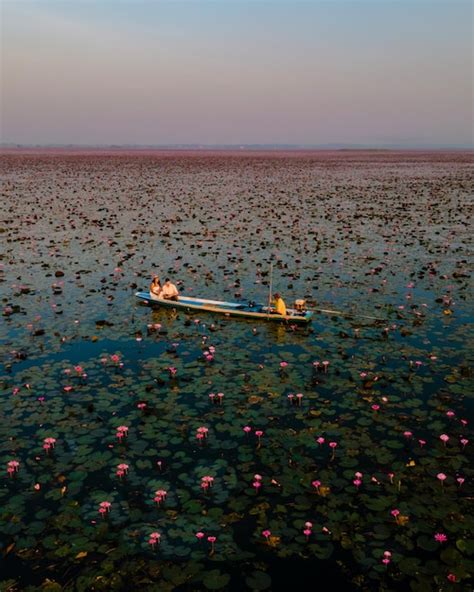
x: 344, y: 314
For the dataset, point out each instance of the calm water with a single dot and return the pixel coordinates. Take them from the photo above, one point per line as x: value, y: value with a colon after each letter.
x: 386, y: 235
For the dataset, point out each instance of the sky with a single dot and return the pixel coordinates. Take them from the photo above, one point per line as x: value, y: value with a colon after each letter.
x: 159, y: 72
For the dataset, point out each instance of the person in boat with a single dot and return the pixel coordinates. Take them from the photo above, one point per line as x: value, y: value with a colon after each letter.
x: 156, y: 290
x: 279, y: 303
x: 170, y: 291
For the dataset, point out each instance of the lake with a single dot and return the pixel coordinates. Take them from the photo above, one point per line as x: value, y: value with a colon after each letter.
x: 340, y: 451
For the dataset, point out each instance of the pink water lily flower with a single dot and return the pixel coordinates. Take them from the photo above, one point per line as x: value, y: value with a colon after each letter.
x: 452, y: 577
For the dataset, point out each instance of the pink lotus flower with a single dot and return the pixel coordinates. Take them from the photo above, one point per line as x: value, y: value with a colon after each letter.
x: 440, y: 537
x: 357, y: 483
x: 283, y: 364
x: 444, y: 438
x: 421, y: 442
x: 408, y: 434
x: 316, y: 484
x: 320, y: 440
x: 460, y: 480
x: 450, y: 413
x: 201, y: 434
x: 307, y: 532
x: 259, y: 434
x: 115, y: 358
x: 104, y: 508
x: 212, y: 540
x: 464, y: 442
x: 266, y: 533
x: 13, y: 466
x: 247, y: 429
x: 375, y: 407
x: 200, y: 536
x: 141, y: 406
x: 451, y: 577
x: 442, y: 477
x: 154, y: 539
x: 308, y: 524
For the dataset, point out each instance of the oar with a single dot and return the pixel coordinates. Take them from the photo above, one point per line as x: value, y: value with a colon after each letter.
x: 344, y: 314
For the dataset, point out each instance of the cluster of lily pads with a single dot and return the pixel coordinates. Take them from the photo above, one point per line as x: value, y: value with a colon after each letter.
x: 181, y: 450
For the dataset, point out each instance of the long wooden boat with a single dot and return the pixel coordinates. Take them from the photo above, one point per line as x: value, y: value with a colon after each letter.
x: 247, y: 310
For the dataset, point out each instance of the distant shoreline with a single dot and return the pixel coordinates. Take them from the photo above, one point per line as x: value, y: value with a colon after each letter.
x: 223, y: 150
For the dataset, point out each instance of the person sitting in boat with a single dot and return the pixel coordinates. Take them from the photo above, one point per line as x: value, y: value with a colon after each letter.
x: 156, y: 291
x: 170, y: 291
x: 280, y: 306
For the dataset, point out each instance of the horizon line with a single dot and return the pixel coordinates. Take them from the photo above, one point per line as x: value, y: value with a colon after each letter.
x: 240, y: 146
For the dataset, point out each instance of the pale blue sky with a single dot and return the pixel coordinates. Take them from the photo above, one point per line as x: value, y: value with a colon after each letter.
x: 237, y: 72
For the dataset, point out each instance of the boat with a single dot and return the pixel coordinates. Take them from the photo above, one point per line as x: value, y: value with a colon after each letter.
x: 248, y: 310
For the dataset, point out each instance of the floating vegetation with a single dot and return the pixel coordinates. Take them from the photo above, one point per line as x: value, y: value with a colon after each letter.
x: 206, y: 453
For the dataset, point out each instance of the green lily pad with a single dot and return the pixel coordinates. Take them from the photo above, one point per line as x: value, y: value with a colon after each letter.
x: 215, y: 580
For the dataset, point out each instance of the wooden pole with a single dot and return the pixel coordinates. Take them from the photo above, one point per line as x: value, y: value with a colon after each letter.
x: 270, y: 288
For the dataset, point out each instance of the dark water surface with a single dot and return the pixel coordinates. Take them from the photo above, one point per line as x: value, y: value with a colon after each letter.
x: 382, y: 234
